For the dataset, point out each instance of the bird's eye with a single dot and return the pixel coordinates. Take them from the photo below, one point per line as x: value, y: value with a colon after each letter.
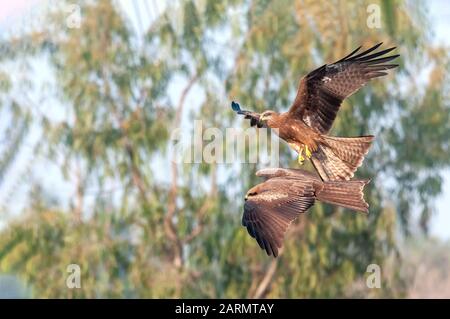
x: 249, y: 194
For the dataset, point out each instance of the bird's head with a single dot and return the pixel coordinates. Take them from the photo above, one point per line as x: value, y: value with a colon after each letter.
x: 251, y: 192
x: 267, y: 115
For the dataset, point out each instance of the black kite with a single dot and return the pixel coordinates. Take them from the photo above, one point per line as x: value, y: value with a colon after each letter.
x: 270, y: 207
x: 320, y: 94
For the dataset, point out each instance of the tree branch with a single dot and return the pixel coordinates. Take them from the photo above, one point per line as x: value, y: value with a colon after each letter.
x: 297, y: 229
x: 267, y: 279
x: 169, y: 226
x: 78, y: 210
x: 205, y: 207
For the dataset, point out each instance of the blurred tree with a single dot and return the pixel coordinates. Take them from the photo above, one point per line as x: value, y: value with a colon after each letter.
x: 183, y: 238
x: 427, y: 265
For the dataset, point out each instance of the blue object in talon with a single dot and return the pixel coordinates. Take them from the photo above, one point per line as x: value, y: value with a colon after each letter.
x: 235, y: 106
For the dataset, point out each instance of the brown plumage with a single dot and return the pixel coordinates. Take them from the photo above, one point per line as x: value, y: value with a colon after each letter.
x: 319, y: 97
x: 270, y: 207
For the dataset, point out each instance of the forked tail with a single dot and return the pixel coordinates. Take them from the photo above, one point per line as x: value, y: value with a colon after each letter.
x: 337, y: 158
x: 348, y: 194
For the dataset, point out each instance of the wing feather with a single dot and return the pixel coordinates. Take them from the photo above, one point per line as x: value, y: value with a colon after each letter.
x: 268, y: 215
x: 322, y: 91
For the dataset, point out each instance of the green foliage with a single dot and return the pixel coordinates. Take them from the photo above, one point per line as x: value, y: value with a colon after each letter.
x: 182, y: 237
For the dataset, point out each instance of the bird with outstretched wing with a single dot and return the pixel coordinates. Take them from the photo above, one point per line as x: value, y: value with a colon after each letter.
x: 270, y: 207
x: 320, y: 94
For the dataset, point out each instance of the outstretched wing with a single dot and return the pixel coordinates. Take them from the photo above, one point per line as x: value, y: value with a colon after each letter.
x: 252, y: 116
x: 322, y: 91
x: 268, y: 215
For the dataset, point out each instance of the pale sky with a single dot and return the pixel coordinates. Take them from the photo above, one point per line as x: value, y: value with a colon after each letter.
x: 440, y: 225
x: 440, y: 12
x: 10, y: 8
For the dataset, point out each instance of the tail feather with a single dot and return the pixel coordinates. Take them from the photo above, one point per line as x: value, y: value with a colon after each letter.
x: 337, y: 158
x: 348, y: 194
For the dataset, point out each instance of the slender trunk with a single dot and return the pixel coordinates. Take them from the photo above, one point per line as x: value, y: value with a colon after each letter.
x: 267, y: 279
x: 78, y: 210
x: 169, y: 225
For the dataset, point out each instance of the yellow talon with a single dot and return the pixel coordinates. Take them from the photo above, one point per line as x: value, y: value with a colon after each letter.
x: 307, y: 152
x: 301, y: 159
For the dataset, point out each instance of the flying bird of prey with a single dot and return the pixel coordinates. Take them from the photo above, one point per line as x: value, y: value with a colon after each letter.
x: 270, y: 207
x: 320, y: 94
